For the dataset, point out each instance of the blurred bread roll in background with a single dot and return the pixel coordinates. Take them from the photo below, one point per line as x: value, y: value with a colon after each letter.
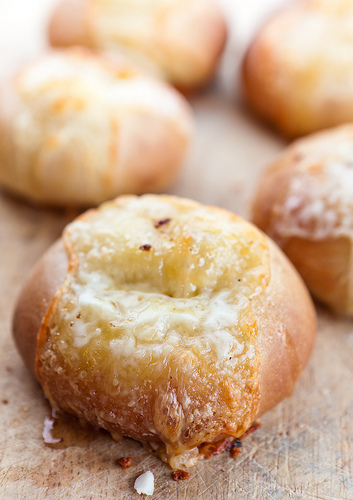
x: 78, y: 128
x: 178, y: 40
x: 304, y: 201
x: 298, y: 71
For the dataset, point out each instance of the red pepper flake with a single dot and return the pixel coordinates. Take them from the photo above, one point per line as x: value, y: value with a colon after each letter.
x: 124, y: 461
x: 78, y: 316
x: 235, y: 449
x: 180, y: 475
x: 145, y: 248
x: 162, y: 222
x: 5, y: 402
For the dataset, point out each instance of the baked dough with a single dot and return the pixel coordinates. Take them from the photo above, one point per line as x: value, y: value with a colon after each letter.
x: 77, y: 128
x: 298, y: 72
x: 171, y: 322
x: 305, y: 203
x: 179, y: 40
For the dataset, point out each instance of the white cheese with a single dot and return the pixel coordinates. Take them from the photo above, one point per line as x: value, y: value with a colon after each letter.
x: 144, y: 484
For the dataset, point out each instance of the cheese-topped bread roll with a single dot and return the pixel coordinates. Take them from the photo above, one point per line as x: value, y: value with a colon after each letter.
x: 305, y: 203
x: 167, y: 321
x: 179, y: 40
x: 298, y: 72
x: 78, y: 128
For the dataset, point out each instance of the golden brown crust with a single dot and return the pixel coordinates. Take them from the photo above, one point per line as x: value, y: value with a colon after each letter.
x: 287, y: 322
x: 36, y: 295
x: 284, y: 315
x: 295, y: 81
x: 184, y: 46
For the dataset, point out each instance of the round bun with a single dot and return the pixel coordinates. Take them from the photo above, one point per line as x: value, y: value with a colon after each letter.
x: 179, y: 40
x: 298, y: 72
x: 77, y: 128
x: 168, y: 321
x: 305, y: 203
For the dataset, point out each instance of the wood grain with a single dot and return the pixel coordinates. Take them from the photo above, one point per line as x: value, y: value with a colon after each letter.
x: 304, y: 448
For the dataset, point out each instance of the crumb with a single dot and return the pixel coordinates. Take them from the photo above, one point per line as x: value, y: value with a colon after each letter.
x: 124, y: 461
x: 233, y: 445
x: 237, y: 443
x: 235, y: 452
x: 47, y: 428
x: 235, y: 449
x: 180, y: 475
x: 145, y: 248
x: 144, y: 484
x: 210, y: 449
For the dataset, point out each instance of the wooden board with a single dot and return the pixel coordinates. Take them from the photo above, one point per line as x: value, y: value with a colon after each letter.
x: 304, y: 448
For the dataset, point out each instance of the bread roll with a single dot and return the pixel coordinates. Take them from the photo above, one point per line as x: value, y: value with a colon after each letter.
x: 305, y: 203
x: 298, y: 72
x: 179, y: 40
x: 77, y: 128
x: 166, y: 321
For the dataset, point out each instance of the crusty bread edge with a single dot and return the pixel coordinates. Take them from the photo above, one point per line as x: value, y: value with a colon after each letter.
x: 287, y: 326
x: 36, y: 295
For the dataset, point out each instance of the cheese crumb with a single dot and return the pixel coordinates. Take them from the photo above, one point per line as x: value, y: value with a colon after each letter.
x: 48, y: 427
x: 144, y: 484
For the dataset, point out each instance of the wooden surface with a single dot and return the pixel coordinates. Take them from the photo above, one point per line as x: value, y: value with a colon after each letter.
x: 304, y: 448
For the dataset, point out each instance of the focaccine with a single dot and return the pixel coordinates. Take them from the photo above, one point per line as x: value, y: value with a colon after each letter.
x: 298, y: 71
x: 304, y: 201
x: 167, y: 321
x: 78, y: 128
x: 179, y: 40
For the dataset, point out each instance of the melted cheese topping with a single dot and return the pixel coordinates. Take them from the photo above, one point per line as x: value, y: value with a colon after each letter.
x: 155, y: 318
